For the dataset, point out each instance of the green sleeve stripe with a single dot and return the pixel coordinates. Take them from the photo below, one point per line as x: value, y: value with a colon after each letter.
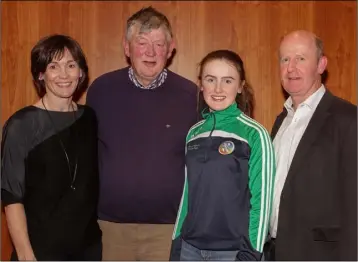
x: 269, y: 169
x: 183, y: 210
x: 268, y: 172
x: 265, y: 165
x: 256, y: 237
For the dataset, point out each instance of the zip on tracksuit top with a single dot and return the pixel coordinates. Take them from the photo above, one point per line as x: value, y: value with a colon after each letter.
x: 226, y: 201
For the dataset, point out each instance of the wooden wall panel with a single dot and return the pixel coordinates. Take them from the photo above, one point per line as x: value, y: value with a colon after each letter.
x: 251, y: 28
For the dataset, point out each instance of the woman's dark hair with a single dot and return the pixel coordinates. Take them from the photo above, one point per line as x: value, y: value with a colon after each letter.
x: 51, y: 47
x: 245, y: 100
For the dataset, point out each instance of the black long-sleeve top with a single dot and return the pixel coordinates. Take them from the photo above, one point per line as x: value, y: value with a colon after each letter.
x: 35, y: 172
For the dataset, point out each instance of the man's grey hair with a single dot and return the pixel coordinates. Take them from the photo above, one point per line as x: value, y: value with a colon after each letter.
x: 319, y: 46
x: 147, y: 19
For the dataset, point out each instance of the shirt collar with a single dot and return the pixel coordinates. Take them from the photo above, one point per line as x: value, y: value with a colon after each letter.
x: 311, y: 102
x: 156, y: 83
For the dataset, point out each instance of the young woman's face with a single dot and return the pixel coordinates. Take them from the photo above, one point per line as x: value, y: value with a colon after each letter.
x: 62, y: 76
x: 220, y: 83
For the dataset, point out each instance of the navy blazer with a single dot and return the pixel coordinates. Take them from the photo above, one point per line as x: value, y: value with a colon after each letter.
x: 318, y: 208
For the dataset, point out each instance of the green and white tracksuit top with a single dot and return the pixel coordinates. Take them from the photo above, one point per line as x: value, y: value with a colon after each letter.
x: 229, y: 175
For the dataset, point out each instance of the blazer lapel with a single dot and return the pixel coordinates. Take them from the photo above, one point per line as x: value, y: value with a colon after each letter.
x: 312, y: 131
x: 278, y: 123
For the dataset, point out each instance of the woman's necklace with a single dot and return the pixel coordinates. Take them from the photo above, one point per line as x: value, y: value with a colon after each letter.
x: 73, y: 177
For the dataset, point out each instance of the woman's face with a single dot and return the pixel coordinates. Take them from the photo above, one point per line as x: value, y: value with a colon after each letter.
x: 220, y: 83
x: 62, y: 76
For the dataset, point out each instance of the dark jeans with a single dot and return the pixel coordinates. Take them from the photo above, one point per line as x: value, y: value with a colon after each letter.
x: 90, y: 253
x: 191, y: 253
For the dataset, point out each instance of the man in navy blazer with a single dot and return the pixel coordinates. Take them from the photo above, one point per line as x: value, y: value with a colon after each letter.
x: 314, y: 212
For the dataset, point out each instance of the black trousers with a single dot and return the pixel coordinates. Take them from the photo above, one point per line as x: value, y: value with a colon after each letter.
x: 91, y: 253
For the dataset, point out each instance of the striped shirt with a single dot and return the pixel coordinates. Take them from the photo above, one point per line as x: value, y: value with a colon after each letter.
x: 156, y: 83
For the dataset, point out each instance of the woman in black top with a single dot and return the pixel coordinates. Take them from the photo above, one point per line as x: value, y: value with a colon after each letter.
x: 49, y: 161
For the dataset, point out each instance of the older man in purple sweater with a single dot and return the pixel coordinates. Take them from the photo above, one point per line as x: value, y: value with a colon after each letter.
x: 144, y: 112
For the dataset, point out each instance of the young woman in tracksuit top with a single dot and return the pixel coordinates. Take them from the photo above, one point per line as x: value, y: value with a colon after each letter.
x: 226, y: 202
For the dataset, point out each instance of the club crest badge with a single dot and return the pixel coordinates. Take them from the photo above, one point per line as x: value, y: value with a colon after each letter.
x: 226, y: 148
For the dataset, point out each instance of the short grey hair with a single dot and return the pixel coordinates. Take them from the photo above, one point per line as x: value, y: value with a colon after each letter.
x: 148, y: 18
x: 319, y: 46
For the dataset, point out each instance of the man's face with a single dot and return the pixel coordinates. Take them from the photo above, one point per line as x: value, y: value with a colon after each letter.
x: 148, y: 52
x: 300, y: 67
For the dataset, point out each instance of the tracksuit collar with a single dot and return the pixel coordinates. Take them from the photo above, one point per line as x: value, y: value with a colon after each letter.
x: 231, y: 110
